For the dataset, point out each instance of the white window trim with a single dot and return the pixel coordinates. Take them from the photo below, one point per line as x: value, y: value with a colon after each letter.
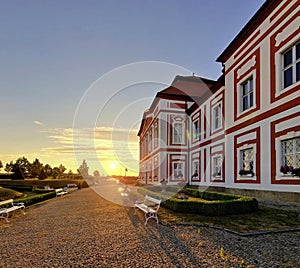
x: 193, y: 163
x: 278, y: 140
x: 239, y: 93
x: 212, y: 166
x: 279, y: 67
x: 182, y: 134
x: 239, y: 161
x: 156, y: 133
x: 156, y: 165
x: 294, y: 62
x: 173, y: 169
x: 214, y: 129
x: 196, y: 137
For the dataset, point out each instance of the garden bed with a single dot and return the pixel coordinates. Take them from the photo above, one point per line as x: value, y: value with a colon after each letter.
x: 204, y: 202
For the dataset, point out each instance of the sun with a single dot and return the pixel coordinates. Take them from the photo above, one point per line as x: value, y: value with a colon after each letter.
x: 112, y: 166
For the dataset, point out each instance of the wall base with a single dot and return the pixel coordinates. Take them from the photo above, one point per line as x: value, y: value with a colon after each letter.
x: 277, y: 199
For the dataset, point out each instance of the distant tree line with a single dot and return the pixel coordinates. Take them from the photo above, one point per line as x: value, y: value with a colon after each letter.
x: 22, y: 168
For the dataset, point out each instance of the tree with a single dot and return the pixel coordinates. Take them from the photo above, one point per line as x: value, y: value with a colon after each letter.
x: 22, y: 165
x: 55, y: 172
x: 62, y: 169
x: 96, y: 174
x: 17, y: 170
x: 48, y: 170
x: 1, y: 165
x: 84, y: 169
x: 36, y: 168
x: 42, y: 175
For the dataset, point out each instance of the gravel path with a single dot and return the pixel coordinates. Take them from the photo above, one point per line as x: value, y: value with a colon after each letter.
x: 84, y: 230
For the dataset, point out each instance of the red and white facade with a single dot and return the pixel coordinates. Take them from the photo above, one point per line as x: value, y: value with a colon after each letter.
x: 239, y: 131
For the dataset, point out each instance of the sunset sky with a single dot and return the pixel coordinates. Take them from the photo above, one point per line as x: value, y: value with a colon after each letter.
x: 77, y: 75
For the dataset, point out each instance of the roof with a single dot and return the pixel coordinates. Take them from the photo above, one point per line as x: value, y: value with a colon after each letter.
x: 265, y: 10
x: 214, y: 88
x: 183, y: 88
x: 186, y: 88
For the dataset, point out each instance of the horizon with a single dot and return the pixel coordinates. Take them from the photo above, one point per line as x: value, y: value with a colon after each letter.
x: 57, y: 57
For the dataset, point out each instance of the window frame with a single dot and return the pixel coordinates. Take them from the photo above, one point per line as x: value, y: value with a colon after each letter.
x: 247, y: 81
x: 175, y: 170
x: 293, y: 154
x: 195, y: 163
x: 242, y: 161
x: 196, y: 131
x: 156, y: 135
x: 215, y: 174
x: 176, y: 135
x: 292, y: 65
x: 217, y: 117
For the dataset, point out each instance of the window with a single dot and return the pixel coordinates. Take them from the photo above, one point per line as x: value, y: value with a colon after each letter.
x: 178, y: 170
x: 291, y: 153
x: 195, y: 172
x: 247, y: 95
x: 155, y: 166
x: 217, y: 117
x: 178, y: 133
x: 150, y: 144
x: 247, y: 160
x: 196, y: 130
x: 217, y: 166
x: 291, y: 66
x: 156, y: 133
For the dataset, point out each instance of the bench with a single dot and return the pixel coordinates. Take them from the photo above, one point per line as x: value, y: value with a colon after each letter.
x: 72, y: 185
x: 61, y: 191
x: 9, y: 207
x: 149, y: 206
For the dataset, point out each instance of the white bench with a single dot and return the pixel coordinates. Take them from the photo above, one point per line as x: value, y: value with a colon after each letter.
x: 72, y: 185
x: 149, y: 206
x: 10, y: 206
x: 61, y: 191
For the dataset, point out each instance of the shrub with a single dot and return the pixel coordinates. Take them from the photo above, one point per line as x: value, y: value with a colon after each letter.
x: 36, y: 198
x: 214, y: 204
x: 212, y: 208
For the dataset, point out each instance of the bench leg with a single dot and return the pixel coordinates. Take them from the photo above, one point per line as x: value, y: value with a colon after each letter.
x: 6, y: 218
x: 23, y: 210
x: 149, y: 216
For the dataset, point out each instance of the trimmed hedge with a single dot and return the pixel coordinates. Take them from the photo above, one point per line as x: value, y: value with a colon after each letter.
x: 214, y: 204
x: 36, y: 198
x: 211, y: 196
x: 212, y: 208
x: 58, y: 183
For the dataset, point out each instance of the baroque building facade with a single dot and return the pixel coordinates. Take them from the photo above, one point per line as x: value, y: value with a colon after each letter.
x: 240, y: 133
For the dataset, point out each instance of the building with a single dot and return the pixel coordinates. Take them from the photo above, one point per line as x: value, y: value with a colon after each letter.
x: 240, y: 133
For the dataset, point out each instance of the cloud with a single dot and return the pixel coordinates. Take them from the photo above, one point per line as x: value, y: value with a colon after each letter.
x: 39, y: 123
x: 102, y: 144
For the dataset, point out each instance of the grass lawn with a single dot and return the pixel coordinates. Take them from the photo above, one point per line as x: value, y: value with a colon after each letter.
x: 265, y: 219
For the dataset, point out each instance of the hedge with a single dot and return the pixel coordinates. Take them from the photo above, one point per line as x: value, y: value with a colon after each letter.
x: 214, y: 204
x: 36, y: 198
x: 58, y: 183
x: 212, y: 208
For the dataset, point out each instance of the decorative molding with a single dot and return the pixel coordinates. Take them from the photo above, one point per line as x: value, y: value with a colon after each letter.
x: 246, y: 67
x: 284, y: 34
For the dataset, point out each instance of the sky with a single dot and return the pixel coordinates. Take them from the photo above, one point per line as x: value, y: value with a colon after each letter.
x: 77, y: 75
